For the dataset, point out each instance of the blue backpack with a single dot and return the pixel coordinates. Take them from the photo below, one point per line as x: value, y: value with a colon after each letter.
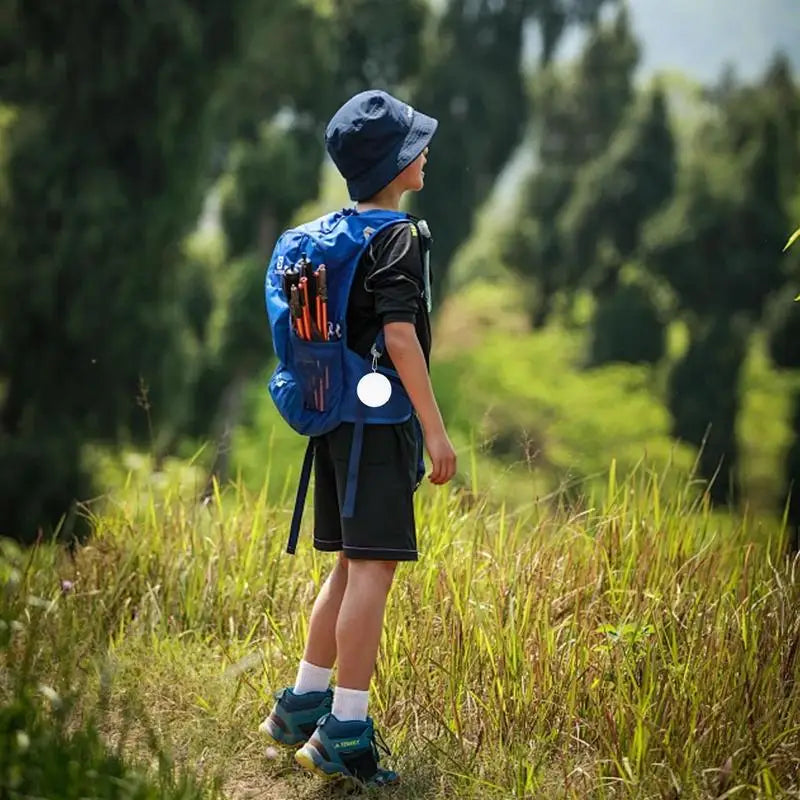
x: 314, y: 384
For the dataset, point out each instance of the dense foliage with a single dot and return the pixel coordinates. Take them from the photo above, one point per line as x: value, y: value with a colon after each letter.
x: 148, y: 161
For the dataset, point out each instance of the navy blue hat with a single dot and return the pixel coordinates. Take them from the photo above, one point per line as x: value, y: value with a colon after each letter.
x: 373, y: 137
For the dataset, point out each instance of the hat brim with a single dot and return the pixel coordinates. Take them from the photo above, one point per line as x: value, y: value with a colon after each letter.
x: 419, y: 136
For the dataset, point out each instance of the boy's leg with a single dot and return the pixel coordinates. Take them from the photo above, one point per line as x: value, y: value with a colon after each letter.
x: 344, y: 744
x: 321, y: 642
x: 320, y: 649
x: 358, y: 634
x: 294, y: 716
x: 380, y: 534
x: 297, y: 709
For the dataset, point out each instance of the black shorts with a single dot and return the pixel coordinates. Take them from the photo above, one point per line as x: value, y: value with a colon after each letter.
x: 383, y: 527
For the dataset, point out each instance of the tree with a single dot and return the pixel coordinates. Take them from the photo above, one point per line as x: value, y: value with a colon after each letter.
x: 106, y: 162
x: 483, y: 112
x: 718, y: 246
x: 628, y: 327
x: 703, y: 396
x: 601, y: 228
x: 783, y: 328
x: 620, y: 190
x: 578, y: 114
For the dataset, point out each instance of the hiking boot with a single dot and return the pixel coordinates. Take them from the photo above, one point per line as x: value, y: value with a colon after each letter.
x: 294, y: 717
x: 346, y: 751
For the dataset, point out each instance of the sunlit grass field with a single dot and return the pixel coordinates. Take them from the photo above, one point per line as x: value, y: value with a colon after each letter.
x: 625, y: 644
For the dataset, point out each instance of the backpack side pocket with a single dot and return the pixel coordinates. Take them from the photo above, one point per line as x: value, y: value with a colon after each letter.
x: 308, y: 392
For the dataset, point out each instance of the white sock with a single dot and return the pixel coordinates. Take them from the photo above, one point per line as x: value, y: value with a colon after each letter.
x: 311, y: 678
x: 350, y: 704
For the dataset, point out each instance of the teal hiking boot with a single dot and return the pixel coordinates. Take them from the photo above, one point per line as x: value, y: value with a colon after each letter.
x: 294, y: 717
x: 346, y: 751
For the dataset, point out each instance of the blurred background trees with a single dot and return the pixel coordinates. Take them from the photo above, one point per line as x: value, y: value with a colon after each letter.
x: 149, y: 157
x: 107, y: 138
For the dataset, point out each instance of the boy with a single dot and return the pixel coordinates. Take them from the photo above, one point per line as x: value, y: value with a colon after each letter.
x: 379, y: 145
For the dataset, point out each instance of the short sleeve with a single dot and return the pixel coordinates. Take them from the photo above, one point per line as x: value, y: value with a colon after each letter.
x: 395, y: 275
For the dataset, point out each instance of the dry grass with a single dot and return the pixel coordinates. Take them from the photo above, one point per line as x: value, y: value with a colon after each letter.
x: 637, y: 646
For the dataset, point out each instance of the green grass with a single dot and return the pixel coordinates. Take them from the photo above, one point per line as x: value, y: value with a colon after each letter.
x: 626, y: 644
x: 52, y: 743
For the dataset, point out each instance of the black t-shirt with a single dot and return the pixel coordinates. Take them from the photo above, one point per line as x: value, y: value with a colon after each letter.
x: 389, y: 286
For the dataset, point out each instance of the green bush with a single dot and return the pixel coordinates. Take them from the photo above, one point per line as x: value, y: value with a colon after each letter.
x: 526, y: 400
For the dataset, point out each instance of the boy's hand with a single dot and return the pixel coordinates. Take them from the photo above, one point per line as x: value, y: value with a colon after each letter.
x: 443, y: 458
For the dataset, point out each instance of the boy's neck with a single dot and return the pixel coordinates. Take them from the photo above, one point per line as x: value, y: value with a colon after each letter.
x: 386, y: 200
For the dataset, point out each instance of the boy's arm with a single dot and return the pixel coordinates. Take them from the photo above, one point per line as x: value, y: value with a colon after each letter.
x: 406, y: 354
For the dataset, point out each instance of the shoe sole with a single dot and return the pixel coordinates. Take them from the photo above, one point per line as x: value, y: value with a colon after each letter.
x: 278, y: 743
x: 307, y: 762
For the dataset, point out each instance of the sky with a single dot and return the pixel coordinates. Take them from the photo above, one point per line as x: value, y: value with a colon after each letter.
x: 701, y: 37
x: 707, y: 34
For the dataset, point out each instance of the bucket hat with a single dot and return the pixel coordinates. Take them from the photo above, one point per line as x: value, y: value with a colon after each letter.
x: 373, y: 137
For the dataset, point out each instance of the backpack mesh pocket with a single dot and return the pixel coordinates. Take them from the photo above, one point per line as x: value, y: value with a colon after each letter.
x: 318, y: 370
x: 308, y: 391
